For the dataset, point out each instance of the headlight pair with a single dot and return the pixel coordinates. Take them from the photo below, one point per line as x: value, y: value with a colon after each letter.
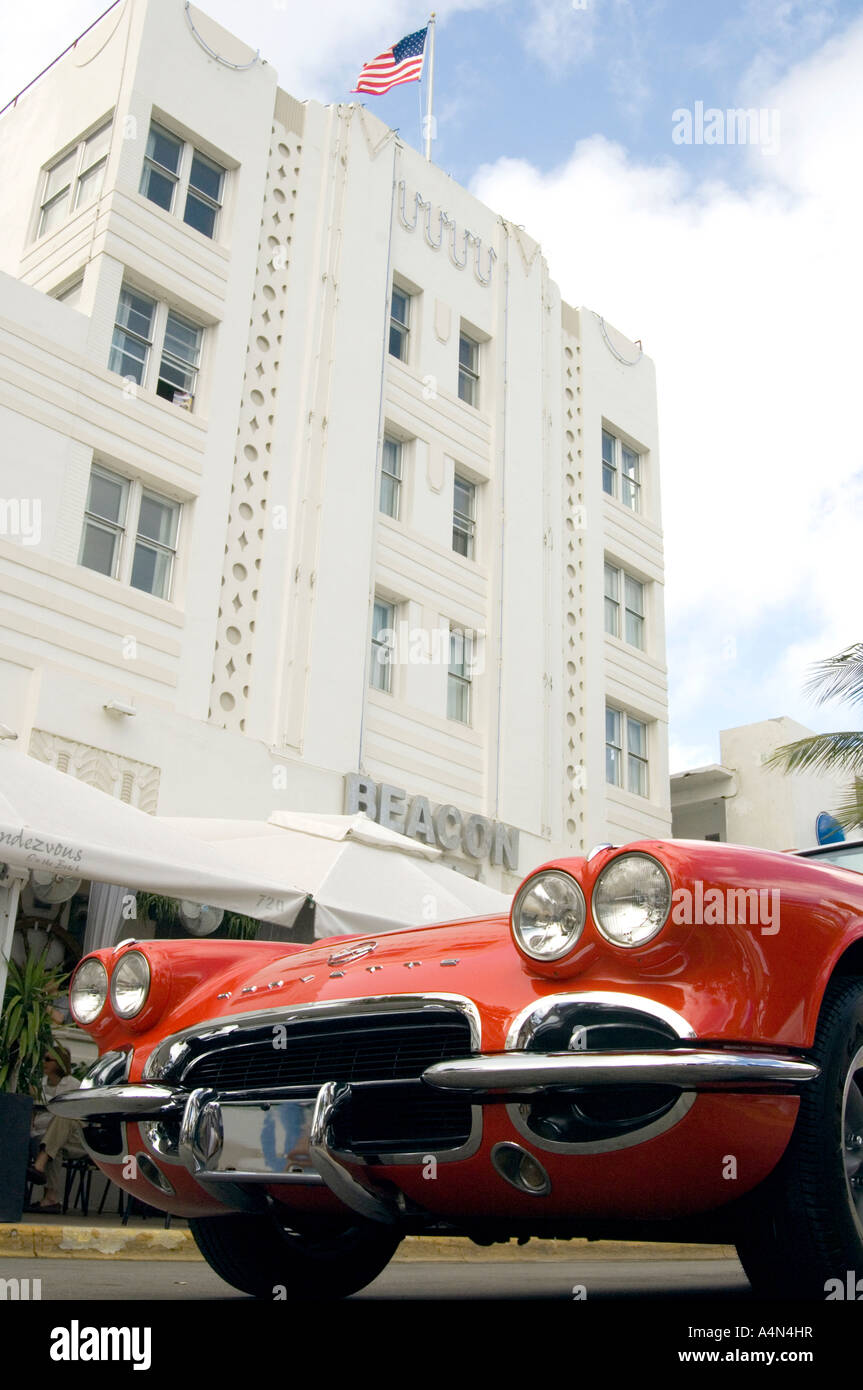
x: 631, y: 901
x: 129, y: 988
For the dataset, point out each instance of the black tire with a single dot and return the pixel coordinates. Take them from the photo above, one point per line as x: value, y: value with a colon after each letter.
x: 268, y: 1260
x: 805, y: 1224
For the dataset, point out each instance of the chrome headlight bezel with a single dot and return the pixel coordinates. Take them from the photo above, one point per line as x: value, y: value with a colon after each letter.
x: 131, y: 961
x: 573, y: 933
x: 89, y: 967
x: 614, y: 867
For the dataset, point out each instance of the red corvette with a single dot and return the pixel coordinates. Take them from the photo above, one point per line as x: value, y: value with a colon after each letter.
x: 664, y: 1041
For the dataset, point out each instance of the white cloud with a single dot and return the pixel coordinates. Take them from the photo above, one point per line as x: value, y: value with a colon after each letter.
x: 751, y: 304
x: 561, y: 33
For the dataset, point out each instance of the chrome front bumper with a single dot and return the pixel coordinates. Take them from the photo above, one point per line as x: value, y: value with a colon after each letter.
x: 235, y: 1139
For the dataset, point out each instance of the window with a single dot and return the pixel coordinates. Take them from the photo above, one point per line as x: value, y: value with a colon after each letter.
x: 130, y: 533
x: 141, y: 324
x: 468, y: 370
x: 625, y: 752
x: 621, y: 471
x: 177, y: 175
x: 74, y: 180
x: 391, y: 477
x: 400, y: 322
x: 383, y: 629
x: 460, y: 675
x: 464, y: 517
x: 633, y: 606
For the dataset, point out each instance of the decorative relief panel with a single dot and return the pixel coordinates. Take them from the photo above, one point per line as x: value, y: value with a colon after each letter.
x: 112, y: 773
x: 247, y: 521
x: 573, y: 597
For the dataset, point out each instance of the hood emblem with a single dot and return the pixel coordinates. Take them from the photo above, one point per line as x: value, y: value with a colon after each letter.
x: 351, y: 953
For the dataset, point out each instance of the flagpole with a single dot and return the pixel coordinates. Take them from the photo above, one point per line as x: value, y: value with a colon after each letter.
x: 431, y: 27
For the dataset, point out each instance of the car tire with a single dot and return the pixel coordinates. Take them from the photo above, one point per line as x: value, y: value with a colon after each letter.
x: 262, y: 1257
x: 804, y: 1226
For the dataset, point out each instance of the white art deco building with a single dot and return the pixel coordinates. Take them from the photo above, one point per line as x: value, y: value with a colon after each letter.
x: 314, y: 494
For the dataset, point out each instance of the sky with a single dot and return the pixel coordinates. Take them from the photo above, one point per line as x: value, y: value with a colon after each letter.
x: 735, y: 260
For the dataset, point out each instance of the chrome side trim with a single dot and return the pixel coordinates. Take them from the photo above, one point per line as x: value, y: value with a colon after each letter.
x: 519, y: 1114
x: 521, y: 1032
x: 691, y: 1069
x: 374, y: 1206
x: 526, y: 1022
x: 124, y: 1101
x: 169, y: 1052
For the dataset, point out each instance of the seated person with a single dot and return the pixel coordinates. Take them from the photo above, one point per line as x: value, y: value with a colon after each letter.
x: 51, y: 1135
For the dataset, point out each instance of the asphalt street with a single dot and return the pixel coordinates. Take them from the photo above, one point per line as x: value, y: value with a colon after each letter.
x: 552, y: 1280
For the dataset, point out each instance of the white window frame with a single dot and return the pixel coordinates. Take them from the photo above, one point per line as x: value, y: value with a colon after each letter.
x: 126, y: 532
x: 384, y: 665
x: 468, y: 376
x: 618, y: 607
x: 627, y: 488
x: 403, y: 328
x: 632, y: 767
x: 464, y: 523
x: 460, y: 674
x: 181, y: 179
x: 68, y: 195
x: 397, y: 479
x: 155, y: 351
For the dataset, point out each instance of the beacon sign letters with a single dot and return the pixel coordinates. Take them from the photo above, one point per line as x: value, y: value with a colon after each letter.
x: 444, y: 826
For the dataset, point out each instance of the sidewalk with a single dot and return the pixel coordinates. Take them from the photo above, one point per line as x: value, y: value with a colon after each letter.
x: 74, y: 1236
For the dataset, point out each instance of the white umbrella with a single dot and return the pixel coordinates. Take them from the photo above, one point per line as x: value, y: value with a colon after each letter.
x: 50, y: 820
x: 363, y: 877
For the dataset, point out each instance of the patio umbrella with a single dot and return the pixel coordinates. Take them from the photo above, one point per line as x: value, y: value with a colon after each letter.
x: 50, y: 820
x: 363, y: 877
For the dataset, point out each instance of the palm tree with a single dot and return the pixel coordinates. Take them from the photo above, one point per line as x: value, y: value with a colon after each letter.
x: 839, y: 677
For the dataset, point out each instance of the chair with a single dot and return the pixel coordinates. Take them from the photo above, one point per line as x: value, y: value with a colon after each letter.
x: 83, y: 1169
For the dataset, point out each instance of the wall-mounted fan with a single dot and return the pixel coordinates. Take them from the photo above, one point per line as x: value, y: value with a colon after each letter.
x: 52, y: 888
x: 200, y: 920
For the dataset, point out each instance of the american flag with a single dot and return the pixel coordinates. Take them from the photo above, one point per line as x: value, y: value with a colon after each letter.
x: 401, y: 63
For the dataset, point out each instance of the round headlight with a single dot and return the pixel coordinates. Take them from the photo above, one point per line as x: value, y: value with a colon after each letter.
x: 632, y: 900
x: 88, y: 991
x: 548, y: 916
x: 130, y: 984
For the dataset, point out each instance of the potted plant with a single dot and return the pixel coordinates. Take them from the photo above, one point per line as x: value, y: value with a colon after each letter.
x: 25, y: 1037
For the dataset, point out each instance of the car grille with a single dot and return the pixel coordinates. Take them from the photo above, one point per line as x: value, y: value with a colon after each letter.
x: 391, y: 1048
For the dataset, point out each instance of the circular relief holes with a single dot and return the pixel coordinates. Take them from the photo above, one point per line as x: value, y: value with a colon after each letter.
x: 570, y: 618
x: 284, y: 149
x: 273, y: 242
x: 245, y: 511
x: 226, y: 700
x: 250, y: 452
x: 570, y: 571
x: 570, y: 719
x: 234, y: 636
x: 570, y: 479
x: 570, y: 668
x: 567, y: 352
x: 257, y: 398
x: 278, y: 195
x: 240, y: 573
x: 262, y: 343
x: 268, y: 292
x: 570, y: 524
x: 570, y: 825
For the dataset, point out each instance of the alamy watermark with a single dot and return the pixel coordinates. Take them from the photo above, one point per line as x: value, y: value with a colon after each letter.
x: 734, y: 126
x: 21, y: 519
x: 726, y: 907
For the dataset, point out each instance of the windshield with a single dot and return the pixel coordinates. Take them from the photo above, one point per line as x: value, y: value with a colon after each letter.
x: 844, y: 856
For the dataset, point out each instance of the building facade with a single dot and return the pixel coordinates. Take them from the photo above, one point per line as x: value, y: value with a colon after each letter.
x: 315, y: 494
x: 742, y: 800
